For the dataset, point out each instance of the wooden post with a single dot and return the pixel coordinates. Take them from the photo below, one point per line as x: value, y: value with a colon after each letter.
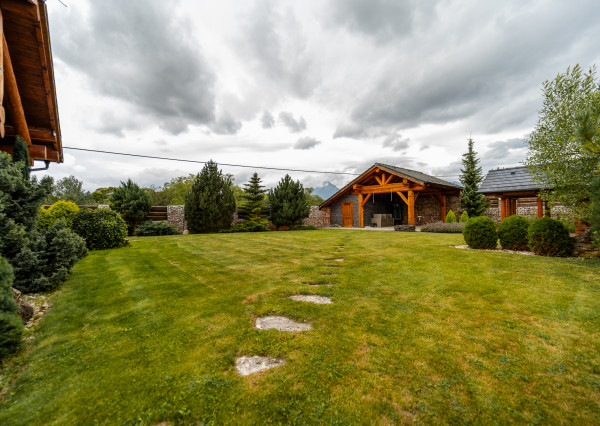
x: 411, y: 207
x: 15, y: 107
x: 502, y: 208
x: 443, y: 208
x: 2, y: 116
x: 540, y: 209
x: 361, y: 219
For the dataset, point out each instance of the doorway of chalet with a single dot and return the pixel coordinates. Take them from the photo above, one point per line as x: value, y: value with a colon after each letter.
x: 386, y: 204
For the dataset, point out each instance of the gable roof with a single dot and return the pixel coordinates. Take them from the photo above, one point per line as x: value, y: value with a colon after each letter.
x: 412, y: 175
x: 512, y: 179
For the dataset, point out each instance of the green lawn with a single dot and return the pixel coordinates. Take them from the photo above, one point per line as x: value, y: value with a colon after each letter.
x: 418, y: 331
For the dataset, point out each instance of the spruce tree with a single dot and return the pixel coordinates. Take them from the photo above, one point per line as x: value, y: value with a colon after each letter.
x: 21, y: 153
x: 287, y: 202
x: 132, y: 202
x: 210, y: 203
x: 471, y: 177
x: 253, y: 197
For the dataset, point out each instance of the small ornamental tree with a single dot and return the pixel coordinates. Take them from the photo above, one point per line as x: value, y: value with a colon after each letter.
x: 512, y: 233
x: 210, y: 203
x: 450, y: 217
x: 480, y: 233
x: 287, y: 202
x: 11, y: 325
x: 464, y: 216
x: 253, y: 198
x: 132, y: 202
x: 471, y: 177
x: 64, y: 210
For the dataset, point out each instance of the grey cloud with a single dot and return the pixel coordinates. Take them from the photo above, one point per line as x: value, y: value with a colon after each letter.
x: 267, y: 120
x: 143, y: 54
x: 396, y: 142
x: 226, y: 124
x: 306, y: 143
x: 294, y: 126
x: 503, y: 154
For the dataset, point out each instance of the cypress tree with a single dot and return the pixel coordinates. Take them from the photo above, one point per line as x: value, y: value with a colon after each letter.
x: 210, y: 203
x: 287, y: 202
x: 471, y: 177
x: 253, y: 196
x: 21, y: 153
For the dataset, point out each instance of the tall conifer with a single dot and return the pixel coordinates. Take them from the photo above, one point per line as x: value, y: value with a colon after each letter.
x: 253, y: 197
x: 471, y: 177
x: 287, y: 202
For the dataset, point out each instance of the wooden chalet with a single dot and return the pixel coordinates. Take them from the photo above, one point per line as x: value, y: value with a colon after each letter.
x: 510, y: 185
x: 27, y: 94
x: 402, y: 195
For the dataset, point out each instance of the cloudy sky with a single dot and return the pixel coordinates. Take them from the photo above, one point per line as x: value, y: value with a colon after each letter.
x: 330, y: 85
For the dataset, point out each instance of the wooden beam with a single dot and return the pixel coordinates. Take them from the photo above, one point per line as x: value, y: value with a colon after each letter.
x: 443, y: 208
x: 379, y: 189
x: 437, y: 198
x: 387, y: 181
x: 540, y: 207
x: 361, y: 219
x: 37, y: 135
x: 378, y: 180
x: 2, y: 114
x: 411, y: 207
x: 15, y: 107
x: 36, y: 152
x: 416, y: 196
x: 403, y: 197
x: 365, y: 199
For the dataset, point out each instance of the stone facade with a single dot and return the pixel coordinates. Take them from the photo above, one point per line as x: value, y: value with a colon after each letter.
x: 176, y: 217
x: 336, y: 210
x: 318, y: 218
x: 527, y: 207
x: 583, y: 245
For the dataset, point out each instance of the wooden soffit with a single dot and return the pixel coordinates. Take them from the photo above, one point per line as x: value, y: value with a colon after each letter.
x: 28, y: 96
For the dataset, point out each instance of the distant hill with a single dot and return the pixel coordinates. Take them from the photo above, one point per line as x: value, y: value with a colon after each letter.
x: 326, y: 190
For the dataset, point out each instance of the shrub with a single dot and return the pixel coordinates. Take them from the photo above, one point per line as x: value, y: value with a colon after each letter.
x: 549, y: 237
x: 210, y: 203
x: 48, y: 258
x: 288, y: 204
x: 480, y: 233
x: 304, y: 228
x: 149, y: 229
x: 11, y: 326
x: 248, y: 226
x: 444, y: 228
x: 450, y: 217
x: 464, y: 217
x: 100, y: 228
x: 512, y: 233
x: 132, y: 202
x: 65, y: 210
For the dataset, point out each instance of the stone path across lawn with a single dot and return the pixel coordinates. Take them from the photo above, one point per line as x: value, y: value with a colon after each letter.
x: 319, y: 300
x: 247, y: 365
x: 281, y: 324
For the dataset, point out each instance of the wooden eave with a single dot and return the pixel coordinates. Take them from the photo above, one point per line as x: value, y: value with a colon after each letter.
x: 25, y: 30
x: 379, y: 179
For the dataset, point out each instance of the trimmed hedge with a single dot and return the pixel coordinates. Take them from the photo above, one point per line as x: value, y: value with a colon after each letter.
x: 151, y: 229
x: 11, y: 325
x: 549, y: 237
x: 444, y: 228
x: 101, y: 228
x: 512, y: 233
x: 65, y: 210
x: 480, y: 233
x: 247, y: 226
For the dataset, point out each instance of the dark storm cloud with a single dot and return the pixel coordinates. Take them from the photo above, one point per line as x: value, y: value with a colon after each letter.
x: 477, y: 61
x: 503, y: 153
x: 288, y: 120
x: 141, y: 53
x: 396, y: 142
x: 306, y: 143
x: 267, y: 120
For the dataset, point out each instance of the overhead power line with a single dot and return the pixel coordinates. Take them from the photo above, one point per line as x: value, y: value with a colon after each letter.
x: 220, y: 164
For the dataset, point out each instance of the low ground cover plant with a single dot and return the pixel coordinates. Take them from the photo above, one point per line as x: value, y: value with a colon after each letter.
x: 549, y: 237
x: 480, y: 233
x: 149, y: 229
x: 61, y: 209
x: 444, y: 228
x: 512, y: 233
x: 100, y: 228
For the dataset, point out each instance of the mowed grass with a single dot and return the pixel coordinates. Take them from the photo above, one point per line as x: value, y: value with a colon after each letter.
x: 419, y: 331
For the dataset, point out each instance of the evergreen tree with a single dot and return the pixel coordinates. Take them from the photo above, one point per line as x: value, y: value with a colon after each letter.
x: 471, y: 177
x: 132, y: 202
x: 210, y: 203
x: 253, y: 198
x: 287, y: 202
x: 21, y: 153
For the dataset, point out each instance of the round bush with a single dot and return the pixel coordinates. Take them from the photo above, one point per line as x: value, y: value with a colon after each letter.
x: 149, y: 229
x: 549, y: 237
x: 100, y: 228
x: 65, y: 210
x: 480, y: 233
x: 512, y: 233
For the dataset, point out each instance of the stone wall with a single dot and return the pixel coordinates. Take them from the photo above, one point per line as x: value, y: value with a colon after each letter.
x: 336, y: 210
x: 527, y: 207
x: 428, y: 210
x: 583, y: 245
x: 176, y: 217
x: 318, y: 218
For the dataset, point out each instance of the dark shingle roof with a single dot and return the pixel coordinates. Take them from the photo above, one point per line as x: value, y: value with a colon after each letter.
x: 512, y: 179
x: 422, y: 177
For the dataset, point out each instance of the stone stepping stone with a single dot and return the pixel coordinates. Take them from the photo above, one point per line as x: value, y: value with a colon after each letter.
x: 338, y: 260
x: 319, y: 300
x: 247, y: 365
x: 319, y: 284
x: 281, y: 324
